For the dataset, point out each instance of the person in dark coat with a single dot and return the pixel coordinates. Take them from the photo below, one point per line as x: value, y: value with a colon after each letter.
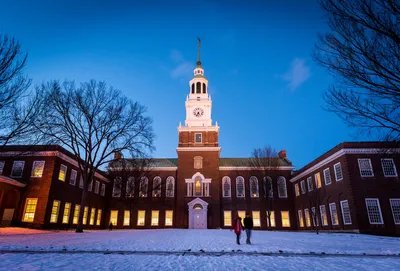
x: 248, y: 226
x: 110, y: 226
x: 238, y: 228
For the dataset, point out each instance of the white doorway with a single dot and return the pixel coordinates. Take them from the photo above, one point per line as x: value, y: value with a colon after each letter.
x: 197, y: 214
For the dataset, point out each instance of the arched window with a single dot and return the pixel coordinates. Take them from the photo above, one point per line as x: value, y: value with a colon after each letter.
x: 226, y: 187
x: 198, y: 87
x: 240, y: 187
x: 170, y: 187
x: 268, y: 190
x: 157, y: 187
x: 130, y: 187
x: 282, y: 192
x: 253, y: 187
x: 193, y: 88
x: 116, y: 193
x: 143, y: 187
x: 197, y: 186
x: 197, y: 206
x: 204, y: 88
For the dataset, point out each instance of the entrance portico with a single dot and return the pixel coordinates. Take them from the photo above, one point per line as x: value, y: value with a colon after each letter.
x: 198, y: 214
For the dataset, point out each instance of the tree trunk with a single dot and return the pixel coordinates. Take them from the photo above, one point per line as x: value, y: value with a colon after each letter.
x: 79, y: 227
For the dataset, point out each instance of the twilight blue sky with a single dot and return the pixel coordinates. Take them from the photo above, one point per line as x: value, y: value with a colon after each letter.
x: 266, y: 89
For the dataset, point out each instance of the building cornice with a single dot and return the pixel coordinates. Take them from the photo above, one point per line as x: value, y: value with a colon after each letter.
x: 257, y: 168
x: 198, y: 128
x: 342, y: 152
x: 4, y: 179
x: 58, y: 154
x: 149, y: 169
x: 218, y: 149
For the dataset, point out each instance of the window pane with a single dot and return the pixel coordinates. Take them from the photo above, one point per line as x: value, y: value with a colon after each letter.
x: 256, y: 219
x: 395, y: 205
x: 318, y: 183
x: 338, y: 172
x: 92, y: 215
x: 37, y: 169
x: 72, y: 179
x: 345, y: 212
x: 389, y: 168
x: 301, y: 219
x: 242, y: 214
x: 62, y: 173
x: 324, y: 217
x: 227, y: 218
x: 168, y: 218
x: 240, y: 187
x: 54, y: 211
x: 114, y: 217
x: 374, y: 211
x: 30, y: 209
x: 18, y: 169
x: 308, y: 218
x: 285, y: 219
x: 272, y: 218
x: 98, y: 220
x: 85, y: 214
x: 127, y: 218
x: 327, y: 176
x: 76, y: 214
x: 141, y: 216
x: 67, y: 209
x: 154, y: 218
x: 334, y: 216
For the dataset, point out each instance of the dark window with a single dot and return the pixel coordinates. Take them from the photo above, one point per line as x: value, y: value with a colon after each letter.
x: 204, y: 88
x: 193, y: 88
x: 198, y: 87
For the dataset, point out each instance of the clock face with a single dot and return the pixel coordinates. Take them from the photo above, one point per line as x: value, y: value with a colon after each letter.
x: 198, y: 112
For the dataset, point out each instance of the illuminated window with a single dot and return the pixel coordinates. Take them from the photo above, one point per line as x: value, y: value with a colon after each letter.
x: 30, y: 208
x: 62, y: 173
x: 54, y: 211
x: 156, y: 187
x: 324, y: 217
x: 310, y: 184
x: 37, y: 169
x: 67, y: 210
x: 256, y: 219
x: 116, y: 193
x: 240, y: 187
x: 282, y: 192
x: 130, y: 187
x: 389, y: 168
x: 303, y: 187
x: 92, y: 215
x: 2, y: 163
x: 327, y: 176
x: 226, y: 187
x: 140, y: 218
x: 254, y: 187
x: 17, y: 169
x: 85, y: 214
x: 344, y: 204
x: 168, y: 218
x: 315, y: 216
x: 241, y: 214
x: 154, y: 218
x: 127, y: 218
x: 197, y: 186
x: 318, y: 183
x: 272, y: 218
x: 96, y: 187
x: 227, y: 218
x: 296, y: 189
x: 76, y: 214
x: 114, y: 217
x: 143, y: 187
x: 72, y: 178
x: 98, y: 220
x: 338, y: 172
x: 333, y: 211
x: 170, y: 187
x: 365, y: 167
x: 285, y: 219
x: 103, y: 189
x: 374, y: 211
x: 308, y: 217
x: 301, y: 219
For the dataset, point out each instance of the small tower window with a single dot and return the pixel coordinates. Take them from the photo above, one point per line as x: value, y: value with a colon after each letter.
x: 198, y: 87
x: 204, y: 88
x: 193, y: 88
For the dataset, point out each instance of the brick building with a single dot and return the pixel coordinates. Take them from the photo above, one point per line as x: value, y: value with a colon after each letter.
x: 353, y: 187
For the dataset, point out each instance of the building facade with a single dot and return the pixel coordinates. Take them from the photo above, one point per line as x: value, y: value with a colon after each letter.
x: 353, y: 187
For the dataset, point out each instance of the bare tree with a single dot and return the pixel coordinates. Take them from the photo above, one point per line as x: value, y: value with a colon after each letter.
x: 93, y: 121
x: 362, y: 51
x: 18, y: 107
x: 265, y: 160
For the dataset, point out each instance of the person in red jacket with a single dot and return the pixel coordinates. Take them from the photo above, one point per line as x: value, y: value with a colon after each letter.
x: 237, y: 228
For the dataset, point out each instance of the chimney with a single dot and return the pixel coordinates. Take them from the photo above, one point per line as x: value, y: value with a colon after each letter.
x: 282, y: 154
x: 117, y: 155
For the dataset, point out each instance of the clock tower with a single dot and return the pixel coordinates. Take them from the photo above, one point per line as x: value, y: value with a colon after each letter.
x: 198, y: 158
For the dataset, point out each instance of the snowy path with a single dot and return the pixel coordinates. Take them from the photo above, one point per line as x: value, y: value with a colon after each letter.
x: 177, y: 249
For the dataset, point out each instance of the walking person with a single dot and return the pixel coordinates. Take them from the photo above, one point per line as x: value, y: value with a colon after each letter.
x: 238, y: 228
x: 248, y: 226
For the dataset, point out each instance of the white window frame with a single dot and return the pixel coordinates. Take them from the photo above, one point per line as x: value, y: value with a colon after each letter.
x: 307, y: 217
x: 333, y: 204
x: 65, y: 217
x: 244, y: 187
x: 297, y: 189
x: 256, y: 218
x: 310, y: 185
x: 272, y: 218
x: 156, y: 193
x: 75, y: 216
x: 379, y: 209
x: 360, y: 160
x: 57, y: 213
x: 143, y: 193
x: 395, y: 213
x: 323, y: 214
x: 226, y: 212
x: 33, y: 168
x: 201, y: 138
x: 144, y: 218
x: 316, y: 180
x: 127, y: 218
x: 227, y: 180
x: 96, y: 187
x: 336, y: 173
x: 314, y: 216
x: 115, y: 193
x: 172, y: 218
x: 72, y: 181
x: 394, y: 167
x: 65, y: 172
x: 303, y: 187
x: 153, y: 218
x: 24, y: 216
x: 342, y: 202
x: 251, y: 179
x: 114, y: 219
x: 283, y: 226
x: 327, y: 172
x: 98, y: 217
x: 22, y: 169
x: 301, y: 219
x: 170, y: 193
x: 282, y: 179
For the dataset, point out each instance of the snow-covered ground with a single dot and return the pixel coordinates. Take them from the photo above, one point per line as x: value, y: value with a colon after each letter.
x: 180, y: 241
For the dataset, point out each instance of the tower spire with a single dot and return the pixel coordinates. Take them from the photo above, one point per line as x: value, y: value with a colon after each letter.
x: 198, y: 52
